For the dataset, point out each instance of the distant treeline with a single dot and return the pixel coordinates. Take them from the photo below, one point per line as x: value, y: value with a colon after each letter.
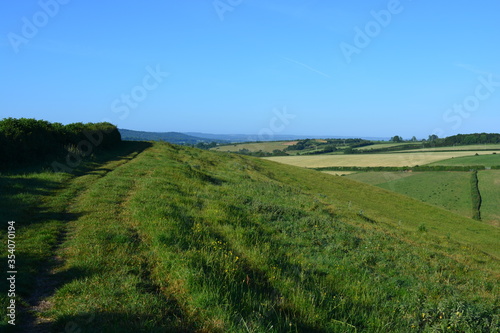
x: 24, y: 141
x: 472, y: 139
x: 455, y: 140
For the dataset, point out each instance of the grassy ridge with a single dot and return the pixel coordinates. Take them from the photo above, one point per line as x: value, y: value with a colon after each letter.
x: 180, y: 239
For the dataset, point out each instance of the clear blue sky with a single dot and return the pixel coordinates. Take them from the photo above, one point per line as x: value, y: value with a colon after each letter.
x: 416, y: 67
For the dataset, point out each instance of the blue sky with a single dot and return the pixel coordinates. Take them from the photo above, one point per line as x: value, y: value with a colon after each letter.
x: 309, y: 67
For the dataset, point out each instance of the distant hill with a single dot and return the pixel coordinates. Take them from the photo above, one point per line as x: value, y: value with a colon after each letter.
x: 265, y: 137
x: 172, y: 137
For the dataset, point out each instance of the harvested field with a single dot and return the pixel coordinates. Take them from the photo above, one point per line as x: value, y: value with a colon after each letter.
x: 339, y: 173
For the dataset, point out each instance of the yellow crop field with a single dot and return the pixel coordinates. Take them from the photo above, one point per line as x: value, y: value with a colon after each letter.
x: 339, y: 173
x: 371, y: 160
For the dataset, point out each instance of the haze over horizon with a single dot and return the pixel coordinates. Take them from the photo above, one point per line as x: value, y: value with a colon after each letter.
x: 366, y: 69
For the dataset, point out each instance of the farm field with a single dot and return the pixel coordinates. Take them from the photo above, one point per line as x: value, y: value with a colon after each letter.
x: 370, y: 160
x: 375, y: 178
x: 175, y: 239
x: 450, y: 190
x: 490, y: 146
x: 481, y: 159
x: 489, y: 186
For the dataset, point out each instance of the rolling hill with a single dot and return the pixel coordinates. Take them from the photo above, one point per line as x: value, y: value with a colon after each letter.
x: 172, y: 137
x: 160, y: 237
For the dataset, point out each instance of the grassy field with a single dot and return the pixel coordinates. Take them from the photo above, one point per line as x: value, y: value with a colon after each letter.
x: 489, y: 186
x: 267, y: 147
x: 375, y: 178
x: 175, y: 239
x: 450, y: 190
x: 371, y: 160
x: 466, y: 147
x: 481, y: 159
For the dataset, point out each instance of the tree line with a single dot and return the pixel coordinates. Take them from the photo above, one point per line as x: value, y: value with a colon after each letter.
x: 24, y: 140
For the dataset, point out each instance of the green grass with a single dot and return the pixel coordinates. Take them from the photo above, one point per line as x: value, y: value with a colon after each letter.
x: 450, y: 190
x: 489, y: 146
x: 487, y: 160
x: 375, y: 178
x: 180, y: 239
x: 489, y: 187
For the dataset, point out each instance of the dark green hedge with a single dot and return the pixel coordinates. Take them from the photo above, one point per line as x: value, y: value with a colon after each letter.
x: 476, y: 196
x: 25, y: 141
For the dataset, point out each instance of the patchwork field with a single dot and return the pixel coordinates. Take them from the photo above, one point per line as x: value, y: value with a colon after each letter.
x: 370, y: 160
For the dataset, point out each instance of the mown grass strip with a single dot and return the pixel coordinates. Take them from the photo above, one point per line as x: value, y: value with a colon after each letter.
x: 106, y: 273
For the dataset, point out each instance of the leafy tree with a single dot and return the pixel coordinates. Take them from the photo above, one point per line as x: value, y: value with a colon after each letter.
x: 396, y: 138
x: 433, y: 137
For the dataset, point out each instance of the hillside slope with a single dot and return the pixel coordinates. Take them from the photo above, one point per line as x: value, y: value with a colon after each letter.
x: 179, y: 239
x: 172, y: 137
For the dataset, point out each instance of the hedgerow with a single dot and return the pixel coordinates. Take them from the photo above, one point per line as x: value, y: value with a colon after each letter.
x: 24, y: 141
